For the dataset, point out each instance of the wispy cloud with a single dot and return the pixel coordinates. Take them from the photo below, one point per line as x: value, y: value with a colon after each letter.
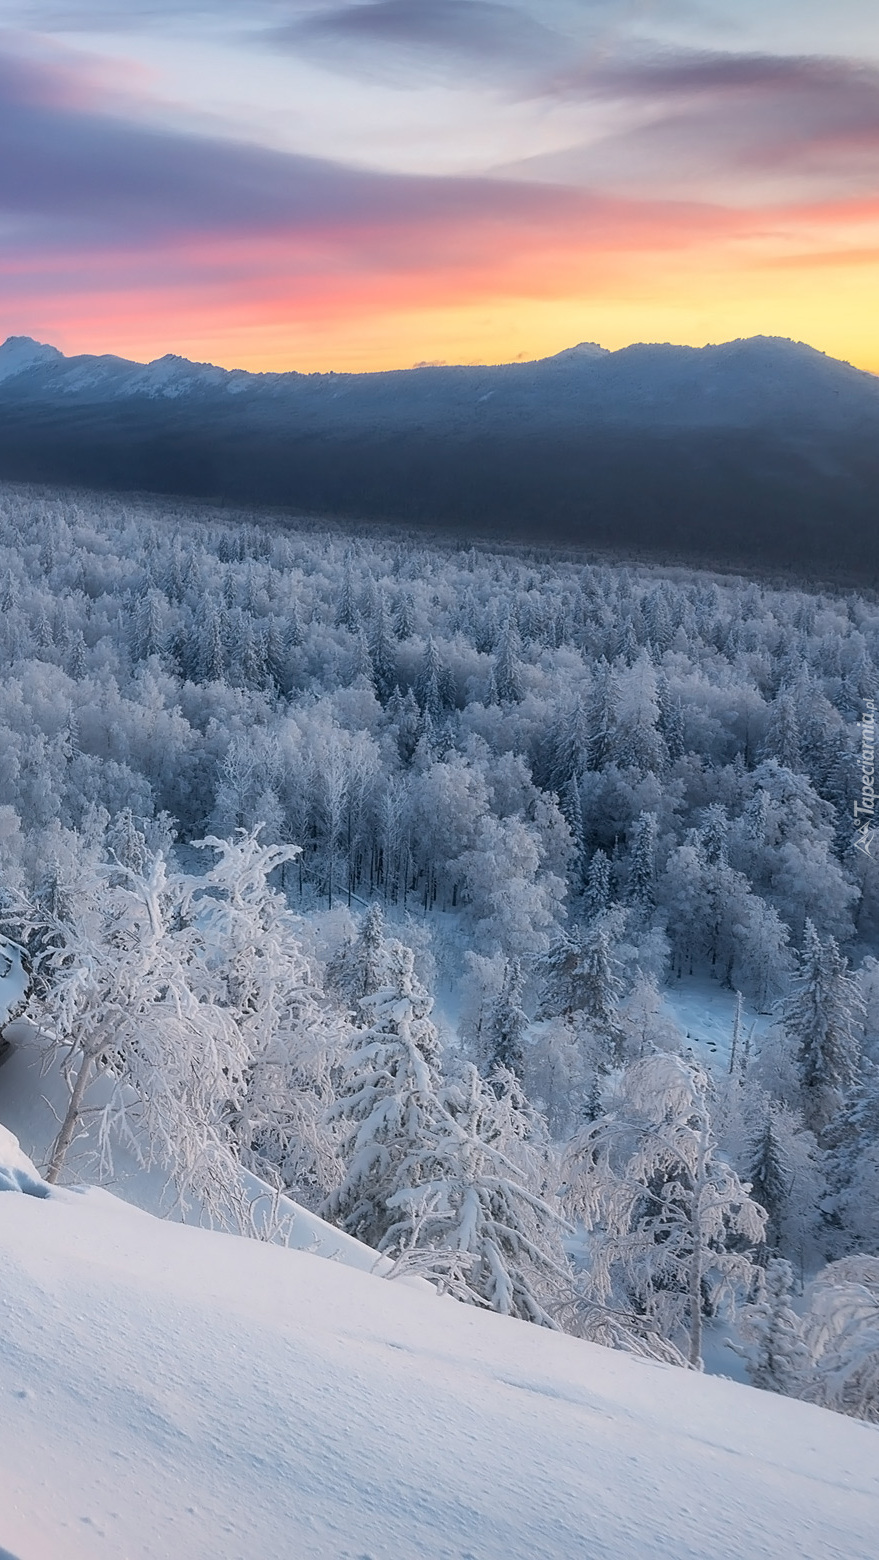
x: 73, y: 174
x: 724, y: 126
x: 136, y: 231
x: 120, y: 16
x: 393, y: 36
x: 692, y: 75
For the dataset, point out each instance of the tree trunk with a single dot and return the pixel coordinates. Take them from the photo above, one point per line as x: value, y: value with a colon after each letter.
x: 698, y: 1258
x: 68, y: 1126
x: 696, y: 1304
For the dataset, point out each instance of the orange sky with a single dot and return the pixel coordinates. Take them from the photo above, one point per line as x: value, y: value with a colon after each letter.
x: 661, y: 190
x: 276, y: 304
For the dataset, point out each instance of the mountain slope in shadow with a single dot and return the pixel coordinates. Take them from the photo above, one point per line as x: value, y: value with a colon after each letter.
x: 759, y: 453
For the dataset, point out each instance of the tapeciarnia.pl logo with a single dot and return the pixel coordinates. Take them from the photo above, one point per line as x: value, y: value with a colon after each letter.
x: 865, y: 809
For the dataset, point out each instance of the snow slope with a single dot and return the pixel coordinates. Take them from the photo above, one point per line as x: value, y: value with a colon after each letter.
x: 168, y: 1391
x: 33, y: 1100
x: 705, y: 1013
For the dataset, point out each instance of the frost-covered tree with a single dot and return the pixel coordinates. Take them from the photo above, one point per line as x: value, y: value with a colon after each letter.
x: 147, y: 634
x: 770, y: 1175
x: 347, y: 610
x: 773, y: 1148
x: 582, y: 973
x: 562, y: 1066
x: 564, y: 749
x: 572, y: 809
x: 505, y: 668
x: 639, y: 741
x: 783, y: 731
x: 211, y: 663
x: 403, y: 619
x: 121, y: 999
x: 670, y: 1222
x: 822, y: 1020
x: 382, y: 652
x: 366, y: 965
x: 253, y: 961
x: 387, y: 1104
x: 642, y: 864
x: 602, y: 714
x: 597, y: 889
x: 671, y: 720
x: 841, y: 1333
x: 777, y: 1357
x: 475, y: 1189
x: 431, y: 687
x: 513, y: 895
x: 506, y: 1025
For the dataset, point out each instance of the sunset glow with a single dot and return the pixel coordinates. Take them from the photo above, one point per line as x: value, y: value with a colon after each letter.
x: 691, y: 181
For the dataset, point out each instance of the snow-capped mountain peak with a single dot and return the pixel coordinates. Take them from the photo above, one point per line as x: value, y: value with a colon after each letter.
x: 19, y: 353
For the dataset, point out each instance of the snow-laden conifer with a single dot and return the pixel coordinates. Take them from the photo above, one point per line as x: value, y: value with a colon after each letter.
x: 642, y: 864
x: 362, y: 967
x: 582, y: 978
x: 841, y: 1332
x: 506, y: 1025
x: 475, y: 1189
x: 822, y: 1019
x: 602, y: 713
x: 382, y: 652
x: 387, y: 1103
x: 777, y: 1357
x: 597, y: 890
x: 505, y: 667
x: 770, y: 1174
x: 670, y: 1222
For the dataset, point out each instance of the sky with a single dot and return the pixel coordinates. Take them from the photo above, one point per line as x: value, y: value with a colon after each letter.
x: 369, y: 184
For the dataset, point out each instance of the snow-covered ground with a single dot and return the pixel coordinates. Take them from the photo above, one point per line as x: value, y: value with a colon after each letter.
x: 705, y: 1012
x: 167, y: 1391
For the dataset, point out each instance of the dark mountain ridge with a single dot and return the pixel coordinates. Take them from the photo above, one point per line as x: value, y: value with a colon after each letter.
x: 760, y: 452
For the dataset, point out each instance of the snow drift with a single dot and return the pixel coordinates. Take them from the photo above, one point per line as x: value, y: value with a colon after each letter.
x: 170, y: 1391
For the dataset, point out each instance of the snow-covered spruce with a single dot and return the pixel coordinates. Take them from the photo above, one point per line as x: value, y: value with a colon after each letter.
x: 388, y: 1100
x: 670, y: 1222
x: 778, y: 1359
x: 477, y: 1189
x: 821, y: 1019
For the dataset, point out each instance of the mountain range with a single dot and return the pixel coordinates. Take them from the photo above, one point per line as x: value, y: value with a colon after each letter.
x: 758, y: 453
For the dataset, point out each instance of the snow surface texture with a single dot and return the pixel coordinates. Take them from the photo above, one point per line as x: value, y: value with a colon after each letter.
x: 170, y: 1391
x: 705, y: 1012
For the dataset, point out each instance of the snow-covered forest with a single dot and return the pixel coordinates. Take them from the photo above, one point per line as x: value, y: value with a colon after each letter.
x: 378, y: 870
